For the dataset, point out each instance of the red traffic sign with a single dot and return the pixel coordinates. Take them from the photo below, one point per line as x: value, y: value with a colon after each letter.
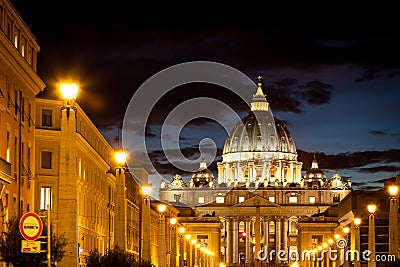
x: 31, y: 226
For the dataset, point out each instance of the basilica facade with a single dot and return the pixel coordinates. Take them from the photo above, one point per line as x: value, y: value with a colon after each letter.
x: 260, y: 194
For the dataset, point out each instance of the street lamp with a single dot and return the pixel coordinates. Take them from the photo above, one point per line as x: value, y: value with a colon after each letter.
x: 393, y: 221
x: 120, y: 196
x: 172, y: 222
x: 371, y: 234
x: 357, y: 222
x: 186, y: 248
x: 191, y: 252
x: 120, y: 157
x: 346, y: 231
x: 162, y: 242
x: 68, y: 187
x: 69, y: 91
x: 146, y: 224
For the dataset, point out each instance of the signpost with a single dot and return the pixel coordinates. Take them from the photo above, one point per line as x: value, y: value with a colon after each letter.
x: 31, y: 226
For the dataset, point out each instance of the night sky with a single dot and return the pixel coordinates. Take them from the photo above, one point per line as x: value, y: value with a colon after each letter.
x: 331, y: 72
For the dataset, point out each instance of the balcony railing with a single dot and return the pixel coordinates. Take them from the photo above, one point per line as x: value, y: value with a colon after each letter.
x: 5, y: 171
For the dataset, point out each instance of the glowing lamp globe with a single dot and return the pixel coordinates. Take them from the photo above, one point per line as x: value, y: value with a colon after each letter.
x: 69, y: 91
x: 371, y: 208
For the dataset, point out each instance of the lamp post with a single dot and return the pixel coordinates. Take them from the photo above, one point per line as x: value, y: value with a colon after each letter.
x: 357, y: 222
x: 120, y: 199
x: 186, y: 248
x: 67, y: 184
x: 336, y: 263
x: 196, y: 254
x: 181, y: 244
x: 172, y: 222
x: 146, y: 224
x: 192, y: 247
x: 371, y: 234
x: 346, y: 231
x: 162, y: 242
x: 328, y: 262
x: 393, y: 221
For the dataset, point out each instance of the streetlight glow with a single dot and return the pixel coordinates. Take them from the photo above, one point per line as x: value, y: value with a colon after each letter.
x: 69, y: 91
x: 193, y: 241
x: 393, y: 190
x: 371, y: 208
x: 146, y: 189
x: 181, y: 229
x: 330, y: 241
x: 188, y: 236
x: 162, y: 208
x: 120, y: 157
x: 172, y: 220
x: 346, y: 230
x: 357, y: 221
x: 337, y: 236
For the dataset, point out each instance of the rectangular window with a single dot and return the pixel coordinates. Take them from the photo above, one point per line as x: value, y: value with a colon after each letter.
x: 201, y: 200
x: 312, y: 199
x: 46, y: 160
x: 220, y: 200
x: 271, y: 199
x: 8, y: 147
x: 47, y: 117
x: 16, y: 39
x: 45, y: 198
x: 293, y: 199
x: 241, y: 199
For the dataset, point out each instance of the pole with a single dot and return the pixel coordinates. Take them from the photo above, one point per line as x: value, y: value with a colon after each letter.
x: 20, y: 117
x: 371, y: 240
x: 48, y: 237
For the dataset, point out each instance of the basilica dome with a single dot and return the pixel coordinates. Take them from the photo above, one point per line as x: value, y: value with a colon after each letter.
x: 259, y: 132
x: 259, y: 149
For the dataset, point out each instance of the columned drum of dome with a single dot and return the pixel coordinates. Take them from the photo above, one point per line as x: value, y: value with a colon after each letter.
x: 259, y: 150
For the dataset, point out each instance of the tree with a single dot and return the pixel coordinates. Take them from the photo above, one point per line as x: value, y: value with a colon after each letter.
x: 10, y: 247
x: 114, y: 257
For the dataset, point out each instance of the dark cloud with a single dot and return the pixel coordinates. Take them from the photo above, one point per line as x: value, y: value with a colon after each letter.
x: 316, y: 93
x: 377, y: 132
x: 384, y: 168
x: 355, y: 160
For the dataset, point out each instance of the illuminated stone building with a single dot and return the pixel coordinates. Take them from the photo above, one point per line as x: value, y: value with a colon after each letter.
x: 259, y: 195
x: 19, y: 85
x: 94, y: 203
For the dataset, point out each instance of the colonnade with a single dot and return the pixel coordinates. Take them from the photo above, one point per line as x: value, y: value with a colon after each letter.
x: 273, y: 238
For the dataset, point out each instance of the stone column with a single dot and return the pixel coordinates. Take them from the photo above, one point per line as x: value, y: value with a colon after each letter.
x: 173, y: 246
x: 120, y: 218
x: 278, y: 241
x: 162, y: 242
x: 371, y: 240
x: 266, y: 237
x: 235, y: 237
x: 228, y: 255
x: 249, y: 257
x: 146, y: 226
x: 68, y: 187
x: 285, y: 228
x: 393, y: 227
x: 257, y: 227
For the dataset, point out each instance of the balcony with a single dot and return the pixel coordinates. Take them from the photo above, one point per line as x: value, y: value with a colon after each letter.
x: 5, y: 171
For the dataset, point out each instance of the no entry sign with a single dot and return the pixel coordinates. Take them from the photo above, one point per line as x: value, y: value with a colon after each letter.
x: 30, y: 226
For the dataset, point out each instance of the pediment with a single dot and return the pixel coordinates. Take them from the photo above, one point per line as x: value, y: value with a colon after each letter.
x: 257, y: 201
